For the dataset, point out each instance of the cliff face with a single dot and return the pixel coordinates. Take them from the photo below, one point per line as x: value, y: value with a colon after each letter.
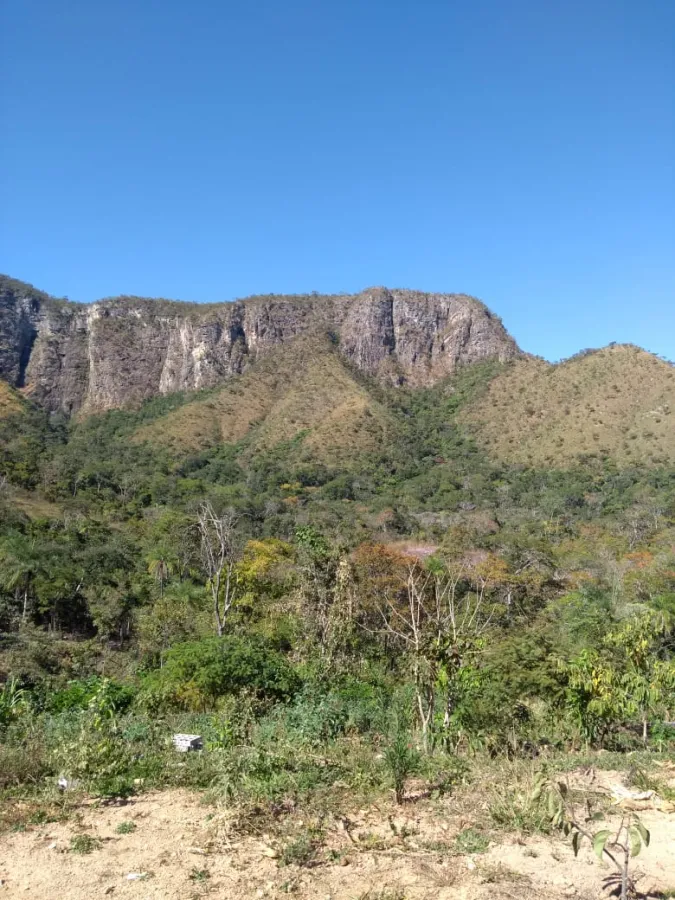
x: 117, y: 352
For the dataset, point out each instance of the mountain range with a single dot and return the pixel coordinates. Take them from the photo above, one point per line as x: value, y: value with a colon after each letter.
x: 318, y: 370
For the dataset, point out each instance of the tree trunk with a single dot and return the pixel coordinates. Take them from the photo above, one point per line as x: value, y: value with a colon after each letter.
x: 624, y: 872
x: 215, y: 592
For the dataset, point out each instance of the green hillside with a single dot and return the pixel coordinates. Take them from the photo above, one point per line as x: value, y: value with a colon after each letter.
x: 616, y: 404
x: 305, y: 392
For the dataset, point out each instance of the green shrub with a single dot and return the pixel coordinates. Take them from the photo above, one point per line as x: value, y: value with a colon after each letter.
x: 196, y: 674
x: 78, y: 694
x: 13, y: 701
x: 27, y: 764
x: 113, y: 787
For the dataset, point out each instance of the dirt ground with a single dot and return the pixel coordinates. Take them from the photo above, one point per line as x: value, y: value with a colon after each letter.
x: 183, y: 848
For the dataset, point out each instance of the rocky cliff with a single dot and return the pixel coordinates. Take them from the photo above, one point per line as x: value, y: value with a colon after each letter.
x: 117, y: 352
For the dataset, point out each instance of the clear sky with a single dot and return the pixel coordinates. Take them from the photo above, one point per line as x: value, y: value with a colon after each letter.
x: 519, y: 150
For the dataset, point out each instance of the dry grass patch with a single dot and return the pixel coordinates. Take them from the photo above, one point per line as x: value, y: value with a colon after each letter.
x: 618, y: 402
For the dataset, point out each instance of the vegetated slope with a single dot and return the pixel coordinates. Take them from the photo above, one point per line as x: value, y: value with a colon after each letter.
x: 11, y: 402
x: 617, y: 403
x: 304, y: 393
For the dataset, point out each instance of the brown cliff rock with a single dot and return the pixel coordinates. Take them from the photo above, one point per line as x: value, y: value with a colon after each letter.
x: 118, y: 352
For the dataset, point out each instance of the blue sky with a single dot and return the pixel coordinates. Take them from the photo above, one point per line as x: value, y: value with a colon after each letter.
x: 518, y: 150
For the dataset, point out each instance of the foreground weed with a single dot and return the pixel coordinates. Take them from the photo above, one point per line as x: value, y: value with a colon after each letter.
x: 401, y: 760
x: 84, y: 843
x: 499, y: 873
x: 440, y: 847
x: 471, y: 841
x: 40, y: 817
x: 517, y: 806
x: 16, y: 815
x: 199, y: 875
x: 126, y: 828
x: 383, y: 894
x: 301, y: 851
x: 638, y: 777
x: 115, y: 787
x: 369, y: 840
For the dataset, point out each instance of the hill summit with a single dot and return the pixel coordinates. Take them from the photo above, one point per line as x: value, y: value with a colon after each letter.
x: 617, y: 402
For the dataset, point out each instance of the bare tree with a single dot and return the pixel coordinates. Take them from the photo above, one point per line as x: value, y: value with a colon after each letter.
x: 219, y: 550
x: 438, y: 624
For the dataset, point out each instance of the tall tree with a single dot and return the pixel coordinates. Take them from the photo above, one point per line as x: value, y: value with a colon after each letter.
x: 20, y: 562
x: 219, y: 550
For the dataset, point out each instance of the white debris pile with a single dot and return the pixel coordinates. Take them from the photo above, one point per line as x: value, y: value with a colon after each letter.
x: 186, y: 742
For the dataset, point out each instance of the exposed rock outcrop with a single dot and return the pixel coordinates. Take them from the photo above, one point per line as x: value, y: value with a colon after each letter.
x: 118, y: 352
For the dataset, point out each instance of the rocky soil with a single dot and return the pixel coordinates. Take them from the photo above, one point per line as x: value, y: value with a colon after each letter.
x: 179, y: 846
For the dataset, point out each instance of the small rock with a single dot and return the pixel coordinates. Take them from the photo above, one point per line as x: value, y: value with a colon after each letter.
x: 344, y: 861
x: 271, y: 853
x: 109, y: 890
x: 52, y: 846
x: 470, y: 864
x: 136, y: 876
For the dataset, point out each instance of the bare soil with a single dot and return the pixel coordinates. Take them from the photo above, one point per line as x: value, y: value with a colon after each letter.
x: 184, y: 848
